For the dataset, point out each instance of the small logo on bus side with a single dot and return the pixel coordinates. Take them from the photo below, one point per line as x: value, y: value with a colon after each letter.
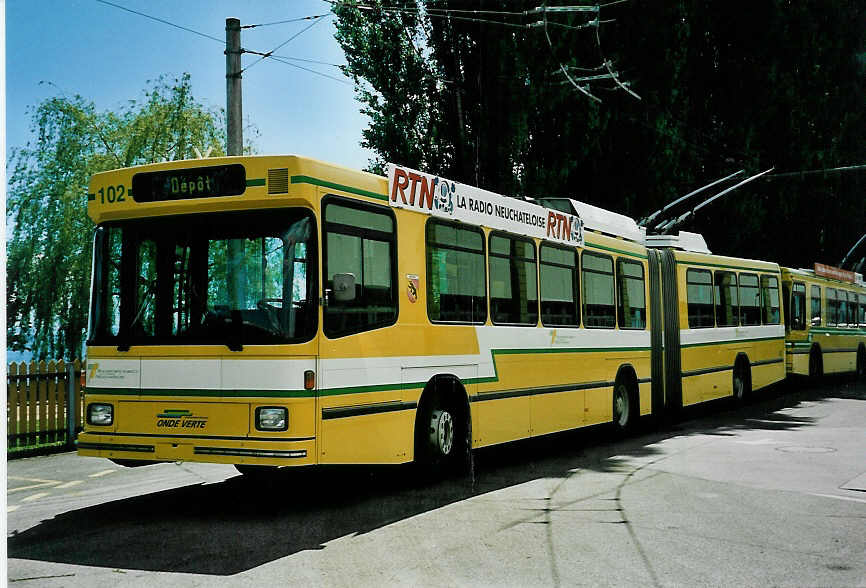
x: 412, y: 287
x: 444, y: 201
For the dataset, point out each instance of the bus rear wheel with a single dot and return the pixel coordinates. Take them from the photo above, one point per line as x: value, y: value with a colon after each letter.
x: 623, y: 409
x: 816, y: 365
x: 742, y: 381
x: 441, y: 439
x: 861, y: 362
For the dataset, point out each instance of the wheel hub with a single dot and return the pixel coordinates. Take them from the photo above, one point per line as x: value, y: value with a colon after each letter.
x: 442, y: 431
x: 621, y: 406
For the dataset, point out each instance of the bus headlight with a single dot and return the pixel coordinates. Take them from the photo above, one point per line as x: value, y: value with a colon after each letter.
x: 100, y: 414
x: 272, y: 418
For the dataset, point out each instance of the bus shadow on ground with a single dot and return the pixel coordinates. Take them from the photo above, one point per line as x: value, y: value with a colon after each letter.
x: 239, y: 524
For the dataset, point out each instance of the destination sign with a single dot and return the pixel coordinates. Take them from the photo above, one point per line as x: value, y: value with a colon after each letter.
x: 182, y: 184
x: 828, y: 271
x: 414, y: 190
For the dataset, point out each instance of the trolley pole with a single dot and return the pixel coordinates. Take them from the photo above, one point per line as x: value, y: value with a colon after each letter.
x: 234, y: 110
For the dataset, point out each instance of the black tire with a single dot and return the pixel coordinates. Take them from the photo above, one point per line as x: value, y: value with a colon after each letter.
x: 816, y: 364
x: 441, y: 437
x: 742, y: 383
x: 623, y: 407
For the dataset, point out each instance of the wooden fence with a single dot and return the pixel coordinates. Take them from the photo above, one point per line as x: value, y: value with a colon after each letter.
x: 39, y: 399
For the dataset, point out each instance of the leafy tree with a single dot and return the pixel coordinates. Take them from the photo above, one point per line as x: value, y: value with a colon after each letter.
x: 49, y: 247
x: 722, y: 88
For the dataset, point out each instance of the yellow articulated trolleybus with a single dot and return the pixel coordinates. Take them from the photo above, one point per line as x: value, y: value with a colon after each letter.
x: 280, y: 311
x: 826, y: 326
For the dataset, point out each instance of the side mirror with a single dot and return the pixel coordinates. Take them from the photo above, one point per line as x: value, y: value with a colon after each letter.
x: 344, y: 287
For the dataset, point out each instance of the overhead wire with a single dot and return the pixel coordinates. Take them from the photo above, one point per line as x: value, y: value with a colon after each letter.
x: 282, y: 60
x: 314, y: 18
x: 427, y: 10
x: 279, y: 22
x: 283, y: 44
x: 171, y: 24
x: 600, y: 6
x: 606, y: 63
x: 810, y: 172
x: 562, y: 67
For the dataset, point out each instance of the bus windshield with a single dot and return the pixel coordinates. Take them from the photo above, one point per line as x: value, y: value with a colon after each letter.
x: 229, y: 278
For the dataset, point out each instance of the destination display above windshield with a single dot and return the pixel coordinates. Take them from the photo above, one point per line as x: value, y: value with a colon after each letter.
x: 440, y: 197
x: 182, y: 184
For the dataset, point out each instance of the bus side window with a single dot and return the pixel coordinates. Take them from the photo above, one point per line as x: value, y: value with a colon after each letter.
x: 599, y: 310
x: 770, y: 300
x: 843, y: 308
x: 699, y: 293
x: 727, y: 305
x: 456, y: 281
x: 359, y: 240
x: 631, y: 309
x: 862, y: 320
x: 750, y: 300
x: 513, y: 281
x: 816, y: 306
x: 798, y: 307
x: 559, y: 287
x: 832, y: 308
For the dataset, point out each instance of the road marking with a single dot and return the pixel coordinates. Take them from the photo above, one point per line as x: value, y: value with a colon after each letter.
x: 69, y: 484
x: 13, y: 507
x: 102, y: 473
x: 839, y: 497
x: 39, y: 484
x: 35, y: 496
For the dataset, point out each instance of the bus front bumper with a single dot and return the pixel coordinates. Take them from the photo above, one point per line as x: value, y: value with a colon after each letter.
x: 293, y: 452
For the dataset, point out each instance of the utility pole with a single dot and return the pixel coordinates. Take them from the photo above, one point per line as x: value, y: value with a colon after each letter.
x: 234, y: 146
x: 234, y: 110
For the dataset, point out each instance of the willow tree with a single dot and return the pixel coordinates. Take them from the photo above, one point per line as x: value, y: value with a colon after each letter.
x: 49, y: 234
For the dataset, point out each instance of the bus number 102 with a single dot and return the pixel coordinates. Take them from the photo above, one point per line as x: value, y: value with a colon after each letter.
x: 112, y: 194
x: 182, y: 186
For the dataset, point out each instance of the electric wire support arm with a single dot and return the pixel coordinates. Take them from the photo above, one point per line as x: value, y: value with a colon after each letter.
x: 855, y: 263
x: 670, y: 225
x: 649, y: 220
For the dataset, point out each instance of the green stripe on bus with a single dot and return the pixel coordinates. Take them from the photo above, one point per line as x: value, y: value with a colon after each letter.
x: 731, y: 341
x: 255, y: 182
x: 566, y: 350
x: 326, y: 184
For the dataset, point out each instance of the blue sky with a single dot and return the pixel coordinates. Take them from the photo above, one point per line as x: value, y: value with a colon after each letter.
x: 107, y: 55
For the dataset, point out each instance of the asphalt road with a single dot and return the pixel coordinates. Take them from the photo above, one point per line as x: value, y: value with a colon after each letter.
x: 772, y: 494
